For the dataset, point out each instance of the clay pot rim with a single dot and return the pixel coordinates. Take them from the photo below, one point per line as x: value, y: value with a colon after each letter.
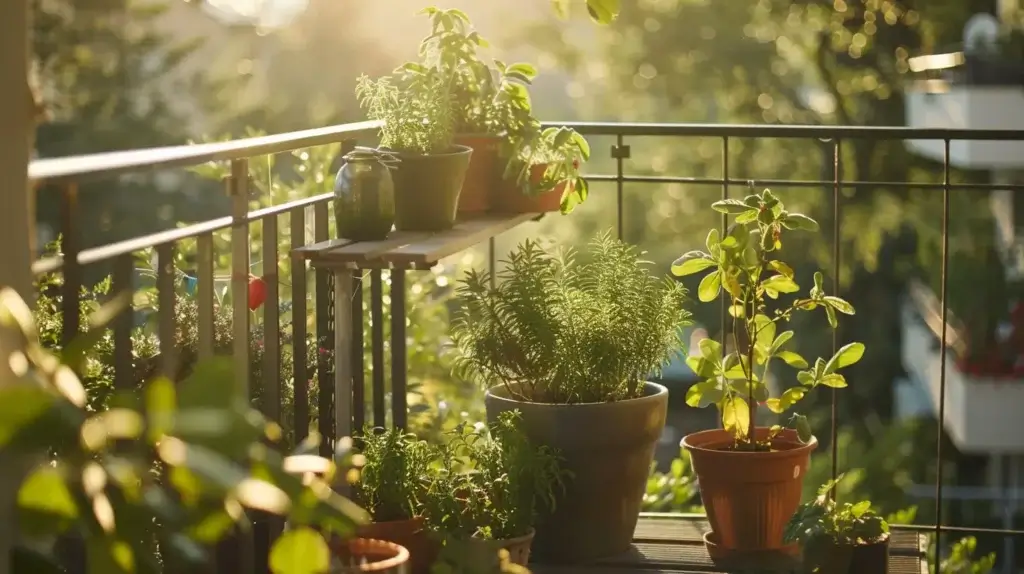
x: 453, y: 150
x: 705, y: 442
x: 653, y: 392
x: 517, y: 540
x: 479, y: 136
x: 401, y: 554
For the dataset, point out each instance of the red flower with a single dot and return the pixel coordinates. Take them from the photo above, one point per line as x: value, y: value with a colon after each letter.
x: 257, y: 292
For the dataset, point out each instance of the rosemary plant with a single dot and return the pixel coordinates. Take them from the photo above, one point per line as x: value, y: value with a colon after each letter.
x: 395, y: 475
x: 745, y: 271
x: 556, y: 329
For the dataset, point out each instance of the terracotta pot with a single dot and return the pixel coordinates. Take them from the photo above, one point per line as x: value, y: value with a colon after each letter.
x: 749, y: 496
x: 483, y: 175
x: 410, y: 534
x: 518, y: 548
x: 608, y: 449
x: 367, y: 555
x: 510, y: 199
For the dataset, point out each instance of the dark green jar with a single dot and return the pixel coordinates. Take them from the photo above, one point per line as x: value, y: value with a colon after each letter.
x: 364, y: 196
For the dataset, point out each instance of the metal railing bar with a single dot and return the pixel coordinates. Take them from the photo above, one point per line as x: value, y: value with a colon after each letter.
x: 271, y: 379
x: 357, y: 354
x: 786, y: 131
x: 943, y: 303
x: 377, y: 346
x: 205, y: 294
x: 238, y: 189
x: 124, y: 375
x: 324, y: 314
x: 300, y: 389
x: 71, y: 313
x: 111, y: 164
x: 98, y: 254
x: 837, y: 187
x: 399, y: 406
x: 167, y: 321
x: 772, y: 182
x: 618, y: 153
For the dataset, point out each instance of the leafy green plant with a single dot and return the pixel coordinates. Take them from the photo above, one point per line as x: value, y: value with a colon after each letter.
x: 395, y: 473
x: 416, y: 111
x: 822, y: 524
x: 155, y: 478
x: 745, y: 272
x: 672, y: 491
x: 961, y: 559
x: 555, y: 329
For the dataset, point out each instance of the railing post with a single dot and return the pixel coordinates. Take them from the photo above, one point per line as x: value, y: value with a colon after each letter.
x: 17, y: 229
x: 238, y: 188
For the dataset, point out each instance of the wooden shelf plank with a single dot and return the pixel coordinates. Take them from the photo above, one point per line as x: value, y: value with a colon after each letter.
x: 672, y: 545
x: 410, y: 250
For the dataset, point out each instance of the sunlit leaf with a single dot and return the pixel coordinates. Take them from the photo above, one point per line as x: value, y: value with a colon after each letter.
x: 710, y: 287
x: 300, y: 551
x: 736, y: 416
x: 692, y: 262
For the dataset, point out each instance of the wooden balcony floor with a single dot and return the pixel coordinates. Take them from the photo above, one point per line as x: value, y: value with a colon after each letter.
x: 674, y: 546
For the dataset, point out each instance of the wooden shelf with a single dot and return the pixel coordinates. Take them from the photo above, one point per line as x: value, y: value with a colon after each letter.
x: 409, y: 250
x: 674, y: 545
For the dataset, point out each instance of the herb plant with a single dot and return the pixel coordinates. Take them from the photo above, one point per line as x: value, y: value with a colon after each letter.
x: 745, y: 271
x: 395, y: 474
x: 557, y: 329
x: 823, y: 523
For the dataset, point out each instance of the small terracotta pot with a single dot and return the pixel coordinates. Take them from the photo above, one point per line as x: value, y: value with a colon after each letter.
x: 749, y: 496
x: 410, y: 534
x: 483, y: 175
x: 510, y: 199
x: 367, y: 555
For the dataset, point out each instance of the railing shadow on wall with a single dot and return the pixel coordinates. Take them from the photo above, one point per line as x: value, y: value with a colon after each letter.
x: 250, y: 554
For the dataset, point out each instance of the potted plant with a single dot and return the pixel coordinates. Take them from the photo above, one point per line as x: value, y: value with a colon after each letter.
x: 543, y: 173
x: 489, y: 490
x: 415, y: 107
x: 840, y: 538
x: 366, y: 555
x: 391, y: 486
x: 569, y: 343
x: 750, y: 477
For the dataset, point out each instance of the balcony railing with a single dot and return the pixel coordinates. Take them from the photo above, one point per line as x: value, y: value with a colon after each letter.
x: 346, y: 368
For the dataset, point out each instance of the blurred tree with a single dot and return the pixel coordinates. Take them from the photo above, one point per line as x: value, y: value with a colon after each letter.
x: 112, y: 80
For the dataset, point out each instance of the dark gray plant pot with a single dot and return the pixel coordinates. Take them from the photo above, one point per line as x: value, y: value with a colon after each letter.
x: 608, y: 448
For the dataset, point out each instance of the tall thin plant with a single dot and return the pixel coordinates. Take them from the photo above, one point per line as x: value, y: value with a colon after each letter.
x: 745, y: 271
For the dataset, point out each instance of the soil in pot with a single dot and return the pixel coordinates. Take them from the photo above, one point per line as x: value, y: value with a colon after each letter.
x: 367, y: 555
x: 427, y: 189
x: 510, y: 199
x: 608, y: 448
x: 749, y: 496
x: 483, y: 175
x: 410, y: 534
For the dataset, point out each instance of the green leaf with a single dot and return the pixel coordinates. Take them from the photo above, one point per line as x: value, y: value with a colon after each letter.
x: 21, y: 405
x: 710, y: 287
x: 788, y: 398
x: 839, y: 304
x: 747, y: 217
x: 803, y: 428
x: 300, y: 551
x: 831, y: 314
x: 781, y: 268
x: 45, y: 505
x: 703, y: 394
x: 780, y: 341
x: 834, y: 380
x: 806, y: 378
x: 603, y: 11
x: 711, y: 350
x: 702, y: 367
x: 736, y: 416
x: 765, y: 331
x: 858, y: 510
x: 730, y: 206
x: 844, y: 357
x: 780, y: 283
x: 712, y: 241
x: 799, y: 221
x: 792, y: 359
x: 109, y: 556
x: 692, y: 262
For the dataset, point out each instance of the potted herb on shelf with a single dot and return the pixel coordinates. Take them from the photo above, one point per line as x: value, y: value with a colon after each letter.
x: 392, y: 482
x: 570, y: 343
x: 840, y: 538
x: 366, y: 555
x: 544, y: 173
x: 489, y: 490
x: 750, y: 477
x: 415, y: 107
